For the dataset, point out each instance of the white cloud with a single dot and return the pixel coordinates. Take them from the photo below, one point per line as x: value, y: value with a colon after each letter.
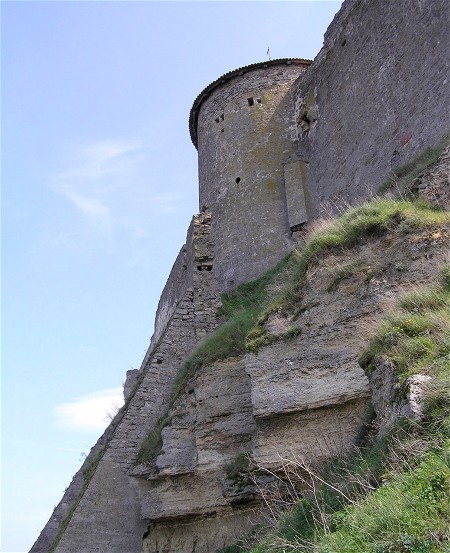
x: 90, y: 412
x: 118, y: 194
x: 99, y: 159
x: 92, y: 207
x: 95, y: 173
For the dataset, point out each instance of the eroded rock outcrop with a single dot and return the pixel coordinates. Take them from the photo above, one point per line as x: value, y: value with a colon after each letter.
x: 304, y: 397
x: 392, y: 401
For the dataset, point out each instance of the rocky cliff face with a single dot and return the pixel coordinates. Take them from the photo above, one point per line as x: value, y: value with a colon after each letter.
x: 303, y: 397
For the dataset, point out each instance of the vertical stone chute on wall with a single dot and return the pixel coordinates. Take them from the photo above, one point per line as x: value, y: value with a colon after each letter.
x: 297, y: 194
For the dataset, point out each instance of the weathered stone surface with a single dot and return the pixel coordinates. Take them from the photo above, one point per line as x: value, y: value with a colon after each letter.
x: 376, y: 106
x: 416, y: 386
x: 391, y: 402
x: 224, y: 413
x: 179, y: 455
x: 295, y: 377
x: 309, y: 436
x: 199, y: 536
x: 211, y: 423
x: 182, y: 496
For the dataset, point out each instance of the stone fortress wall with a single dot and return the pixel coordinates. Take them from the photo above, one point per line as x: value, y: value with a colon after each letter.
x: 374, y: 97
x: 244, y: 131
x: 274, y: 153
x: 107, y: 517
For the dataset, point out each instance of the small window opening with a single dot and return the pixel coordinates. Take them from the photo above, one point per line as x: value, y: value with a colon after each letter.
x: 258, y: 100
x: 300, y: 226
x: 217, y: 120
x: 238, y: 180
x: 221, y: 130
x: 222, y: 117
x: 305, y: 119
x: 250, y: 101
x: 306, y: 122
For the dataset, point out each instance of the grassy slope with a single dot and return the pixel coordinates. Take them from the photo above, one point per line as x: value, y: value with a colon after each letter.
x: 393, y: 495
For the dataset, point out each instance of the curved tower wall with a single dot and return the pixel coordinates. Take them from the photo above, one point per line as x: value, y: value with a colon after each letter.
x: 245, y: 133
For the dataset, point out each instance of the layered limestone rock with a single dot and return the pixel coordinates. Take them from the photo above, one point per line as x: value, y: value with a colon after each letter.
x: 303, y: 397
x: 211, y: 424
x: 392, y: 402
x: 204, y: 535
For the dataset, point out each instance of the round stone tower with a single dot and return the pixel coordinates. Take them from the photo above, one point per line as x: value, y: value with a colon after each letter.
x: 243, y: 127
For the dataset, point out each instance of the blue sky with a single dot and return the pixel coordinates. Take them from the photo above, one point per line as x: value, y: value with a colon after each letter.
x: 99, y: 183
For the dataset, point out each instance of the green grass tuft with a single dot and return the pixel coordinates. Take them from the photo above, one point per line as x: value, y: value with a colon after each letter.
x: 237, y: 467
x: 152, y: 445
x: 416, y: 337
x: 444, y: 277
x: 410, y: 513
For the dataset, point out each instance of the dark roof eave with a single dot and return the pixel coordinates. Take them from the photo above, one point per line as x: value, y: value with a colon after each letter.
x: 193, y: 116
